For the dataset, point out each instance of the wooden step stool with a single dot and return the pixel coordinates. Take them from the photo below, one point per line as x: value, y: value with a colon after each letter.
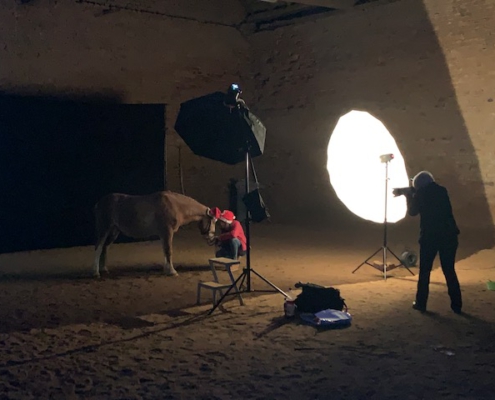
x: 224, y: 264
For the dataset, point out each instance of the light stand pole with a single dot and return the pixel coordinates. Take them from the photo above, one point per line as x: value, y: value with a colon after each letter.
x: 384, y: 268
x: 247, y: 222
x: 246, y: 273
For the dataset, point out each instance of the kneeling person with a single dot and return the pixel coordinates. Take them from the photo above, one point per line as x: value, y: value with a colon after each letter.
x: 232, y: 241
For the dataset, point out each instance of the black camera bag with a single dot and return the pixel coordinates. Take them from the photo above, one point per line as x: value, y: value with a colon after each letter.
x: 314, y: 298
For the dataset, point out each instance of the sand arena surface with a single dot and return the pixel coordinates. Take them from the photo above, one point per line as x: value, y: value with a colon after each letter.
x: 138, y: 335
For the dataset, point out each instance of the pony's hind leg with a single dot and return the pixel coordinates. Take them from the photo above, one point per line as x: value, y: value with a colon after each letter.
x: 103, y: 228
x: 113, y: 234
x: 100, y: 248
x: 166, y: 237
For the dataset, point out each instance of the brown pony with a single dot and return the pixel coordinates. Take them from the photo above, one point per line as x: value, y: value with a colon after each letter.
x: 142, y: 217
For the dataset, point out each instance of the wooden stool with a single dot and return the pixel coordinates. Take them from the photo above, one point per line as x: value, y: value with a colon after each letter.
x: 224, y: 264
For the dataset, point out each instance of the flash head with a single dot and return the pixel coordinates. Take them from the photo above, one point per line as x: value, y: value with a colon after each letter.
x: 385, y: 158
x: 235, y: 88
x: 232, y: 99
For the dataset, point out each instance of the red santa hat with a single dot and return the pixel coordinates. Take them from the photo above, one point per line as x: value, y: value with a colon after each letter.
x: 227, y: 216
x: 214, y: 212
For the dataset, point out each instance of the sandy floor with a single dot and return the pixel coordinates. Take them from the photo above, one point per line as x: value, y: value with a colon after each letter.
x: 137, y: 334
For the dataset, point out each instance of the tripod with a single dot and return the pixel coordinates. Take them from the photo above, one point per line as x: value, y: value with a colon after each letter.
x: 245, y: 276
x: 384, y: 267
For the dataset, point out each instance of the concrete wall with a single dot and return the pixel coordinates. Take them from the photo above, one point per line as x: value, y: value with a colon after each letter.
x: 424, y: 71
x: 69, y: 48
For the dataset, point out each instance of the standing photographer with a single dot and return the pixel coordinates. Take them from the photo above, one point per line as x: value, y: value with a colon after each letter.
x: 438, y: 234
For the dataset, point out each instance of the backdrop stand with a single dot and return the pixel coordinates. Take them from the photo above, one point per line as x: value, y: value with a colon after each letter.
x: 245, y: 276
x: 384, y: 267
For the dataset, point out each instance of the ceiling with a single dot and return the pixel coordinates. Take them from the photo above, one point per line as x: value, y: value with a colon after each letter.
x: 257, y: 5
x: 271, y: 14
x: 258, y: 15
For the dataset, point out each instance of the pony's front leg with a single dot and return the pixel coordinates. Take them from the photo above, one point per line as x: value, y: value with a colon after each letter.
x: 166, y: 238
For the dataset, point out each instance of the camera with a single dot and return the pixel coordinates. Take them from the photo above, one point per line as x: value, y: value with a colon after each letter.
x: 404, y: 191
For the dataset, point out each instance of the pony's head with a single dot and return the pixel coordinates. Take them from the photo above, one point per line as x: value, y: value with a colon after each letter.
x: 207, y: 223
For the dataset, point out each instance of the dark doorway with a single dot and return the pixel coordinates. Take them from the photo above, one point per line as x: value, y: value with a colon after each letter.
x: 58, y: 157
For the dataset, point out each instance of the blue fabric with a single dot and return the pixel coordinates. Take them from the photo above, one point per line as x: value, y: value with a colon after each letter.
x: 327, y: 318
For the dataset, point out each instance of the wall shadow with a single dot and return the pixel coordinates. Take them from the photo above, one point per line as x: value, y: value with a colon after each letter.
x: 385, y: 60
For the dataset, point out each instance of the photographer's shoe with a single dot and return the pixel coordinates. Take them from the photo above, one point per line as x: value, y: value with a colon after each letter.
x: 457, y: 310
x: 416, y: 306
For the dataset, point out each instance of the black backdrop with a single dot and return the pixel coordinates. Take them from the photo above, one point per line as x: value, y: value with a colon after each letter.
x: 58, y: 157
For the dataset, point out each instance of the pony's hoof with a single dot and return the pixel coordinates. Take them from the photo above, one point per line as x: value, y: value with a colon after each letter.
x: 171, y: 273
x: 96, y: 275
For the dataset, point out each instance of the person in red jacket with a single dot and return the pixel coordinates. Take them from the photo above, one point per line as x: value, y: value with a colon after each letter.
x: 232, y: 240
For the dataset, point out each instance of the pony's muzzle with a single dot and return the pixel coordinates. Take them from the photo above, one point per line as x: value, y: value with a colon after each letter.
x: 210, y: 239
x: 209, y: 236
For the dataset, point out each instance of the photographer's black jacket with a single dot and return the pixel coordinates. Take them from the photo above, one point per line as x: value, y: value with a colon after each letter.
x: 432, y: 203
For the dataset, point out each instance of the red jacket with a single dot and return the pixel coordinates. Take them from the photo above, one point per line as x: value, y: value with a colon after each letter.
x: 236, y: 232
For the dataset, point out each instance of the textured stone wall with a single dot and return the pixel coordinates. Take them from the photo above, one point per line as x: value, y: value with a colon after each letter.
x: 424, y: 71
x: 423, y: 68
x: 70, y: 48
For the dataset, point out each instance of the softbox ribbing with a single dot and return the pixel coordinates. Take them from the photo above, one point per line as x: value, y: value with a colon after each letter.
x: 213, y: 130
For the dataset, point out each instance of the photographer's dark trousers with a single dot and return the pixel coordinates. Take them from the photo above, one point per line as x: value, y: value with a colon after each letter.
x: 427, y: 253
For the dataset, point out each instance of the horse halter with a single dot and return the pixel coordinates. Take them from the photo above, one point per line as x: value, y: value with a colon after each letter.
x: 207, y: 231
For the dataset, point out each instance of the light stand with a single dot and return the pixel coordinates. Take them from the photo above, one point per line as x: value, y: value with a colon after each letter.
x: 246, y: 272
x: 384, y: 268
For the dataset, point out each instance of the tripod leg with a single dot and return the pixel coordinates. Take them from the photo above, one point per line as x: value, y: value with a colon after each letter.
x: 384, y: 262
x: 225, y: 294
x: 391, y: 252
x: 366, y: 261
x: 238, y: 293
x: 269, y: 283
x: 401, y: 263
x: 243, y: 279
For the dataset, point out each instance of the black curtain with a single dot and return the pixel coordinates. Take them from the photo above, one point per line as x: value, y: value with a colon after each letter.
x: 58, y: 157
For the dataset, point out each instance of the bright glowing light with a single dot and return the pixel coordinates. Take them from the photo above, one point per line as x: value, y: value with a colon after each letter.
x: 356, y: 172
